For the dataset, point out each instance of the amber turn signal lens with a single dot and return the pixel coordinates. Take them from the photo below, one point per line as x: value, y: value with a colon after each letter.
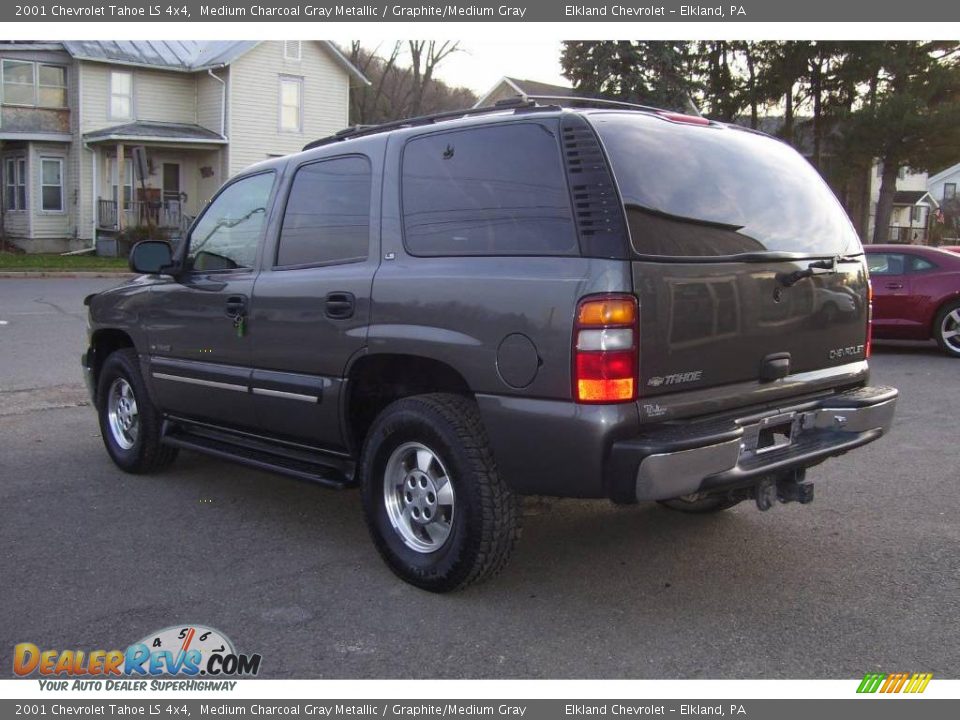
x: 607, y: 311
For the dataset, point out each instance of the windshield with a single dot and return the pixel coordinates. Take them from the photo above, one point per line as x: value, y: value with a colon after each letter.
x: 692, y: 190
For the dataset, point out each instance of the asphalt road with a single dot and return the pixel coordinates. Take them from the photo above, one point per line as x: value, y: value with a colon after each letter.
x: 867, y: 578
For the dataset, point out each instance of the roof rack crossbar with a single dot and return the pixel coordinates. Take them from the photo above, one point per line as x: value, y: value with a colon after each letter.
x: 515, y: 104
x: 599, y: 102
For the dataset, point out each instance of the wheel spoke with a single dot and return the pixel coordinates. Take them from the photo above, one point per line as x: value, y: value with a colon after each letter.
x: 424, y: 460
x: 437, y: 531
x: 444, y: 492
x: 947, y: 334
x: 955, y: 316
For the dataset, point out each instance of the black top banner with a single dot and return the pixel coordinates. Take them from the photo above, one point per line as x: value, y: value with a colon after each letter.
x: 190, y: 11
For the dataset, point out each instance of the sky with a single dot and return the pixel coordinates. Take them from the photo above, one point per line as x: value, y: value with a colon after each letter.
x: 481, y: 64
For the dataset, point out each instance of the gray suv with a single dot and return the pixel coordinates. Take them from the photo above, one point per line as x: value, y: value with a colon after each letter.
x: 599, y: 301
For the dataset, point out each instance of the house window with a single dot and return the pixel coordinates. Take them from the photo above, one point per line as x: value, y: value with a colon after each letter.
x: 126, y: 184
x: 291, y: 101
x: 915, y: 214
x: 902, y: 173
x: 121, y: 95
x: 15, y: 183
x: 51, y: 86
x: 51, y: 184
x: 292, y: 50
x: 35, y: 84
x: 949, y: 191
x: 19, y: 86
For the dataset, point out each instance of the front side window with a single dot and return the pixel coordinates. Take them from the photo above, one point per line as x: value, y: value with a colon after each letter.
x: 327, y: 219
x: 121, y: 95
x: 886, y: 263
x: 494, y: 190
x: 15, y: 183
x: 51, y: 184
x: 291, y: 101
x: 19, y: 83
x: 227, y: 235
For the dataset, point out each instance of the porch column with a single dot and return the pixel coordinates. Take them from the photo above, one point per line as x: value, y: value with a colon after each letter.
x: 121, y: 180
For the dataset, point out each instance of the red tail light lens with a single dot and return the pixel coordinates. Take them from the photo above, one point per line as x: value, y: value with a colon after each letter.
x: 605, y: 349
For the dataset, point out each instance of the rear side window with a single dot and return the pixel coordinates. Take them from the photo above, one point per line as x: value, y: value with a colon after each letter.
x: 327, y: 219
x: 496, y: 190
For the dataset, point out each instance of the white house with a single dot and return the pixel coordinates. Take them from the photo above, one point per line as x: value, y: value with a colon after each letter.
x: 913, y: 206
x: 508, y: 87
x: 74, y: 115
x: 943, y: 186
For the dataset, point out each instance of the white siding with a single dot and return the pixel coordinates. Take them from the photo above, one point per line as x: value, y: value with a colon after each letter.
x: 936, y: 188
x: 255, y: 101
x: 159, y: 96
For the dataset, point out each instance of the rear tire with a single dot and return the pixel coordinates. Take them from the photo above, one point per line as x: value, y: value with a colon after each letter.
x: 699, y: 503
x: 946, y: 329
x: 437, y: 510
x: 129, y: 422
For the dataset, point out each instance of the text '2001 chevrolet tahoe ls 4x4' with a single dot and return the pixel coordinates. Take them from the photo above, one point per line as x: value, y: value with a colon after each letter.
x: 454, y: 311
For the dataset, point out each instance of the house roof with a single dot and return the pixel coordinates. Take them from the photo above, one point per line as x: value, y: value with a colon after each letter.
x: 182, y: 55
x: 527, y: 88
x: 155, y: 132
x: 908, y: 197
x: 944, y: 174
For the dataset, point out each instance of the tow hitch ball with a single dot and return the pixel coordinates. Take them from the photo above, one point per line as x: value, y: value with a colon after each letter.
x: 788, y: 487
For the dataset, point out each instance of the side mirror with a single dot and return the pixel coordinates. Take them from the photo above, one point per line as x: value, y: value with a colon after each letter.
x: 152, y: 257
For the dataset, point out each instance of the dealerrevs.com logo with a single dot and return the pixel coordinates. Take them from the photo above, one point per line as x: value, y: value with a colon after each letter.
x: 181, y: 651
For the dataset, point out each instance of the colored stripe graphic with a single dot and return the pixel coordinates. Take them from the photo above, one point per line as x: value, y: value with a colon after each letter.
x: 889, y: 683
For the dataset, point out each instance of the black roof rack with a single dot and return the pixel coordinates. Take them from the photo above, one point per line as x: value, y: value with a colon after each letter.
x: 516, y: 104
x: 565, y: 100
x: 529, y: 103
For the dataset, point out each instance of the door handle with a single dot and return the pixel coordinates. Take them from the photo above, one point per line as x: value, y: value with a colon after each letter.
x: 236, y: 306
x: 894, y: 286
x: 339, y: 305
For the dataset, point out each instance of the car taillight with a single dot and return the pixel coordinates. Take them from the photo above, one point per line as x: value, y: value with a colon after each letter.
x: 605, y: 349
x: 869, y: 318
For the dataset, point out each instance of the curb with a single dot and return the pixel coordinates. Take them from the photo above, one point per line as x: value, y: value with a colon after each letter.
x: 66, y: 274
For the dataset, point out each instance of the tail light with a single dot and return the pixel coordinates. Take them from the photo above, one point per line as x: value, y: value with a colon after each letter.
x: 869, y: 318
x: 605, y: 349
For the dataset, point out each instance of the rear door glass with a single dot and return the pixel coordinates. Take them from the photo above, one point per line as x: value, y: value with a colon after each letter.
x: 492, y: 190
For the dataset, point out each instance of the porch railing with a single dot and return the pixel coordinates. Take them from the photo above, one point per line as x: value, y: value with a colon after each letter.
x: 905, y: 234
x: 167, y: 214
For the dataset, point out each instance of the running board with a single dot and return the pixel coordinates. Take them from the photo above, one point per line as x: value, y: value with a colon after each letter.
x: 316, y: 467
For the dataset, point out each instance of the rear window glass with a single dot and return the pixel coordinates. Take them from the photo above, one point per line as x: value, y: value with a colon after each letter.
x: 495, y: 190
x: 327, y: 219
x: 697, y: 191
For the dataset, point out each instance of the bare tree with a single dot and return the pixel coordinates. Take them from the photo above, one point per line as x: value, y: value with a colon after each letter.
x: 425, y: 55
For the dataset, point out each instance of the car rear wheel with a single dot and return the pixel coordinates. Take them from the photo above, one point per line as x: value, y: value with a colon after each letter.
x: 129, y: 423
x: 946, y: 329
x: 699, y: 503
x: 437, y: 510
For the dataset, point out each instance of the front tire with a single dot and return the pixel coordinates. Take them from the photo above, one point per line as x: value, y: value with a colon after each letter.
x: 946, y: 329
x: 437, y: 510
x: 129, y: 422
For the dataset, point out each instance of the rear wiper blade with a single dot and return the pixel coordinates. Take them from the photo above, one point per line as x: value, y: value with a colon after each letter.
x: 827, y: 266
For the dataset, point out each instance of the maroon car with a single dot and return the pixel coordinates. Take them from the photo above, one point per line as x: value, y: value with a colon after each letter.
x: 916, y: 294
